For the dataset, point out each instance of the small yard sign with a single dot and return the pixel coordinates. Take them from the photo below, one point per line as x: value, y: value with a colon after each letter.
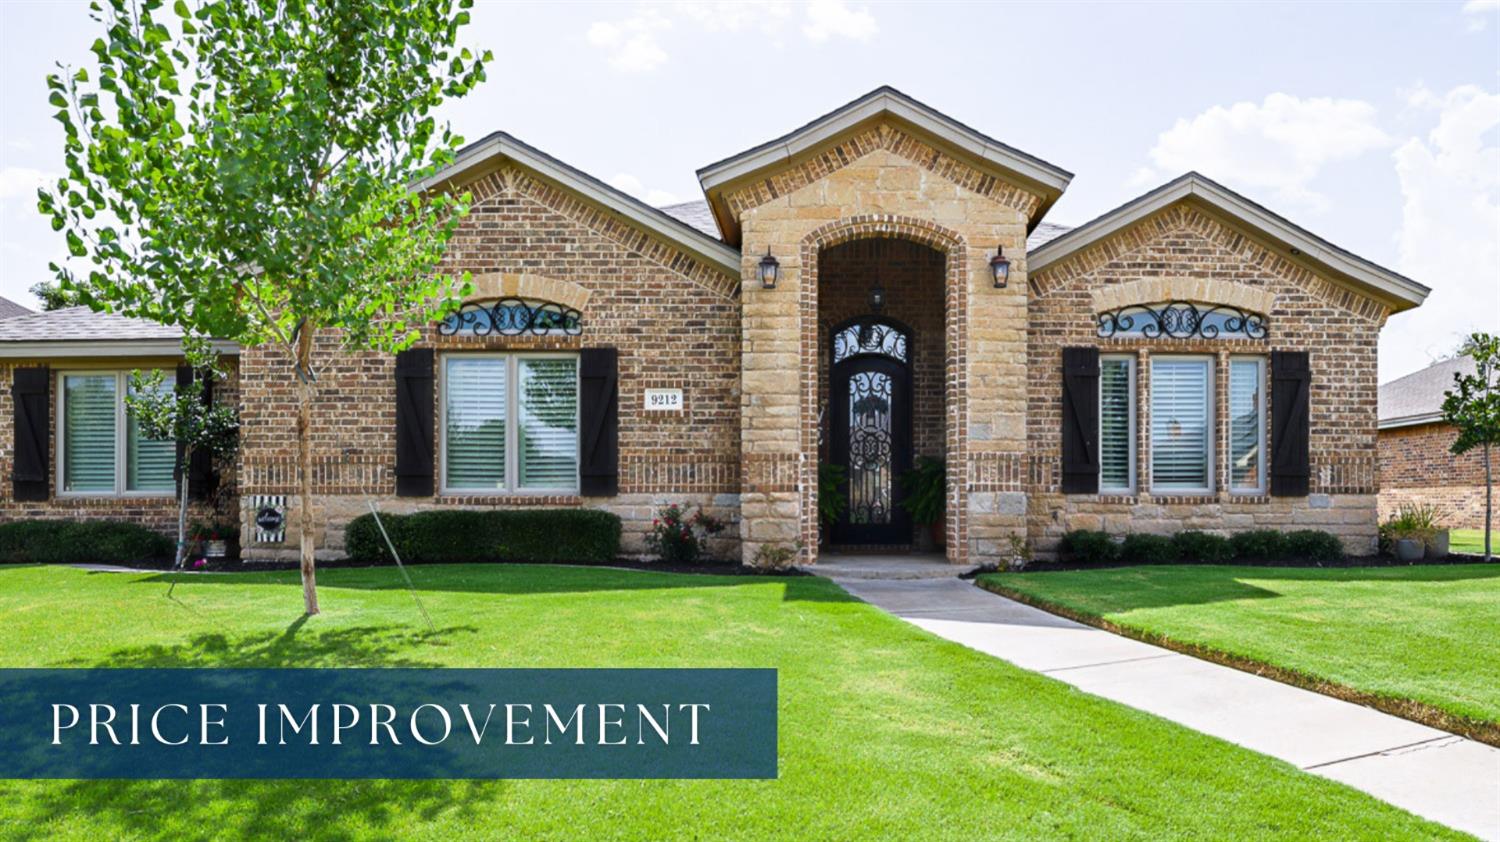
x: 270, y: 519
x: 663, y: 400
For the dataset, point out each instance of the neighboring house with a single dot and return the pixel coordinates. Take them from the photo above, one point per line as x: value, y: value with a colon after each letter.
x: 1416, y: 465
x: 1188, y: 360
x: 10, y: 309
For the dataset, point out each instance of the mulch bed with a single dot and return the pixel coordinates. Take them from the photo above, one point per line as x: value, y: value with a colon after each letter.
x: 1348, y: 561
x: 712, y: 568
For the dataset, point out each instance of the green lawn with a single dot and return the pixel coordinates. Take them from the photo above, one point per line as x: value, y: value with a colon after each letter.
x: 1471, y: 541
x: 1425, y: 633
x: 886, y: 731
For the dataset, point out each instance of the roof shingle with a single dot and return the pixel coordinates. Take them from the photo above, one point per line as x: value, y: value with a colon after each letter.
x: 1418, y: 397
x: 10, y: 309
x: 72, y: 324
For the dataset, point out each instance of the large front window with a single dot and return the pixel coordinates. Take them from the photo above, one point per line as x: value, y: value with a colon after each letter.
x: 101, y: 448
x: 510, y: 423
x: 1181, y: 424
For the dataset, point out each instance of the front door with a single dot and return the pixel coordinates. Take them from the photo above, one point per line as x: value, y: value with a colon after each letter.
x: 870, y: 415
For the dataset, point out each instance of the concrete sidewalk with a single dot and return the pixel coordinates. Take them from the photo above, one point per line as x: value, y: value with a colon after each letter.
x: 1435, y: 774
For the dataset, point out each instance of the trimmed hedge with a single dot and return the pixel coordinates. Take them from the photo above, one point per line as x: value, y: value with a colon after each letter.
x: 1144, y: 548
x: 1203, y: 546
x: 460, y: 536
x: 80, y: 542
x: 1088, y: 545
x: 1314, y: 545
x: 1259, y: 545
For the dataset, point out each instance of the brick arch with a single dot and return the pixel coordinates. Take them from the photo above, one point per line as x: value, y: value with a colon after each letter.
x: 1203, y: 290
x: 492, y: 285
x: 955, y: 316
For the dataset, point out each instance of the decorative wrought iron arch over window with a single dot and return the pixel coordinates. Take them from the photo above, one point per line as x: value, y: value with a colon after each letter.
x: 1182, y: 320
x: 513, y: 317
x: 872, y: 335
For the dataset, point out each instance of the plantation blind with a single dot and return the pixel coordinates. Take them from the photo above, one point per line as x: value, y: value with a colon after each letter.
x: 1115, y: 411
x: 1180, y: 415
x: 475, y: 435
x: 149, y: 465
x: 548, y: 400
x: 1246, y: 424
x: 89, y: 403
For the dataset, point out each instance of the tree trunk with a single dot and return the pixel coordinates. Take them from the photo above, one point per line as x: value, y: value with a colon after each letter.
x: 1489, y: 493
x: 304, y: 479
x: 182, y: 500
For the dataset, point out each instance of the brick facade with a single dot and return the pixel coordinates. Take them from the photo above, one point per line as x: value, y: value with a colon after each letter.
x: 1416, y: 466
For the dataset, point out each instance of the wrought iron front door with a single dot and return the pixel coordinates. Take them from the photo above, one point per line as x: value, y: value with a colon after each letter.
x: 870, y: 405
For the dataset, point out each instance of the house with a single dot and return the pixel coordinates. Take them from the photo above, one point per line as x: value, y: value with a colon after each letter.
x: 1416, y: 463
x: 877, y: 285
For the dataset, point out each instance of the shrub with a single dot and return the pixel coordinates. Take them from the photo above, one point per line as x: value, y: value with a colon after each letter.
x: 1089, y: 546
x: 1203, y: 546
x: 459, y: 536
x: 1259, y: 545
x: 1314, y: 545
x: 80, y: 542
x: 1141, y: 548
x: 677, y: 537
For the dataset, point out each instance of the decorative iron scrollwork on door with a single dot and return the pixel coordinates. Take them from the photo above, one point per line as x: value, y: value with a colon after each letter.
x: 870, y: 471
x: 1182, y: 320
x: 870, y: 337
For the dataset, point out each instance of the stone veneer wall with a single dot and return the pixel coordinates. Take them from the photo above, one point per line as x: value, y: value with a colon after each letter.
x: 883, y: 182
x: 154, y: 512
x: 1182, y: 253
x: 1416, y: 466
x: 674, y: 319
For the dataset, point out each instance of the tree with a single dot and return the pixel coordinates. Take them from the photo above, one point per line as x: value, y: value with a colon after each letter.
x: 244, y: 173
x: 180, y: 413
x: 52, y: 296
x: 1474, y: 408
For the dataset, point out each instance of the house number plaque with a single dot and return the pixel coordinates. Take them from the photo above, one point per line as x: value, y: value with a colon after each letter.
x: 663, y: 400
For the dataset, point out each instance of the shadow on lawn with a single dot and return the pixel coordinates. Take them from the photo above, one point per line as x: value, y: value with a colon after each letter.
x: 363, y: 646
x: 520, y: 579
x: 280, y: 809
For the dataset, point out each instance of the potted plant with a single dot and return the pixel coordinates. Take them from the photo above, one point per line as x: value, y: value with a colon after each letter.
x: 214, y: 538
x: 832, y: 501
x: 1407, y: 532
x: 926, y: 490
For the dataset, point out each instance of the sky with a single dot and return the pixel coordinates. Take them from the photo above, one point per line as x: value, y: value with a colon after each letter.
x: 1375, y: 126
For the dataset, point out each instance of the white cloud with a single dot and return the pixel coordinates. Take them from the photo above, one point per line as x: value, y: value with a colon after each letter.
x: 1450, y: 228
x: 736, y: 15
x: 1277, y: 146
x: 630, y: 184
x: 1476, y: 10
x: 834, y: 18
x: 21, y: 182
x: 631, y: 42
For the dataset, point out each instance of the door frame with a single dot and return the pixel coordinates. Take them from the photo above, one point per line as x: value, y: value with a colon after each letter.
x: 897, y: 533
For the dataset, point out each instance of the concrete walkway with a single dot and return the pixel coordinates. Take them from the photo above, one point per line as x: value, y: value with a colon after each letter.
x: 1432, y: 773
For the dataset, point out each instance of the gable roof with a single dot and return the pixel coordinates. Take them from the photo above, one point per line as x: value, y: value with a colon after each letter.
x: 1417, y: 398
x: 81, y: 332
x: 500, y: 145
x: 695, y: 214
x: 1046, y: 179
x: 10, y: 309
x: 1397, y: 291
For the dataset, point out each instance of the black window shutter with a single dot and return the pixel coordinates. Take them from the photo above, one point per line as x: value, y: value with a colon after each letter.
x: 202, y: 481
x: 599, y: 441
x: 414, y: 424
x: 1080, y: 421
x: 30, y: 392
x: 1291, y: 377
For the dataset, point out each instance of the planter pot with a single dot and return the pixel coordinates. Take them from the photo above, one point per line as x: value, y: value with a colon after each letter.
x: 215, y: 549
x: 1437, y: 544
x: 1409, y: 549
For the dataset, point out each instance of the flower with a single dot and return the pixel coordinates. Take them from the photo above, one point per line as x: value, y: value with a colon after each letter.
x: 200, y: 564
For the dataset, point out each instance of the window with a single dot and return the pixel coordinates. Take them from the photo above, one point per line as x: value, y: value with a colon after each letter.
x: 1117, y: 425
x: 510, y: 423
x: 1181, y: 414
x: 102, y: 450
x: 1247, y: 429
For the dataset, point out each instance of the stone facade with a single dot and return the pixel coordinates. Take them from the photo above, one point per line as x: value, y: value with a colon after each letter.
x: 1416, y: 466
x: 1184, y: 254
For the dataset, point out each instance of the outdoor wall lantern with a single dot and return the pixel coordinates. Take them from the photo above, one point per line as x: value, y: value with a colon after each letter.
x: 1000, y: 267
x: 877, y: 298
x: 769, y: 266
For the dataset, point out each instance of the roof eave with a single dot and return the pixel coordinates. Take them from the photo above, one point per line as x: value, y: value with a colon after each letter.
x: 1410, y: 421
x: 1399, y: 292
x: 74, y: 348
x: 653, y: 220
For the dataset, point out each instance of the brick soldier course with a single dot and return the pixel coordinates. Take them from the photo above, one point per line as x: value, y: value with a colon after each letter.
x: 881, y: 192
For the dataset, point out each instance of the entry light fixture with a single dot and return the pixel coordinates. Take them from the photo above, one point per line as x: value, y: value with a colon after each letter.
x: 877, y: 298
x: 1000, y: 267
x: 769, y: 266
